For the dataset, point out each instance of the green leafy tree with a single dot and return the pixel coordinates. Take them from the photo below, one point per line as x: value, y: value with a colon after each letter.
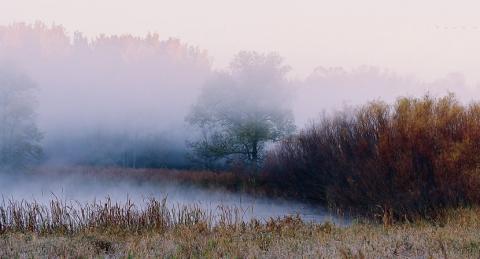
x: 19, y: 135
x: 241, y: 111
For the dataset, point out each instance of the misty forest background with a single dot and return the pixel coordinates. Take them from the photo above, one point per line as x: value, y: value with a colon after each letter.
x: 125, y: 101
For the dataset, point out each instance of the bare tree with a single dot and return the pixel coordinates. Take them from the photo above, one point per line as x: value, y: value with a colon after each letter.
x: 240, y: 111
x: 19, y: 135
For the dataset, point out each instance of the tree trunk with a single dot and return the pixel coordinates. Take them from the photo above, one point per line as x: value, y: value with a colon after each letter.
x: 255, y: 154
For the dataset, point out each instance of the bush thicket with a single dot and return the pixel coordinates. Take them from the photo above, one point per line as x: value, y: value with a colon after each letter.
x: 411, y: 158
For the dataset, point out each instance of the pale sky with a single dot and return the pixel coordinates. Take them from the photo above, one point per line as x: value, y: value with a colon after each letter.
x: 427, y: 38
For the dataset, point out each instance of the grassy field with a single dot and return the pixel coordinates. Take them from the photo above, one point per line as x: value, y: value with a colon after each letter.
x: 155, y: 230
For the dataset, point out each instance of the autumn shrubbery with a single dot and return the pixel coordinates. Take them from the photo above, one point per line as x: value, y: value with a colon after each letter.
x: 412, y: 158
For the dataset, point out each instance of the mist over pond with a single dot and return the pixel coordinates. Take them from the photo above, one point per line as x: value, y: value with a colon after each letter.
x: 122, y: 101
x: 78, y: 189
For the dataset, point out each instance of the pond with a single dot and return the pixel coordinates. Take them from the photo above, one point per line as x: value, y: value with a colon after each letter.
x: 82, y: 189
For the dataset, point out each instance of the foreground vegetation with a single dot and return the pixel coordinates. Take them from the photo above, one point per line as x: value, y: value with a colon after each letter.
x: 155, y: 230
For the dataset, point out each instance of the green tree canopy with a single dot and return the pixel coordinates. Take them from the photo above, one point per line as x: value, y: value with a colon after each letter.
x: 241, y: 110
x: 19, y: 135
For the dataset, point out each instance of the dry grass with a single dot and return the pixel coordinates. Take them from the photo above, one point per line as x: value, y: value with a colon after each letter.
x: 156, y: 230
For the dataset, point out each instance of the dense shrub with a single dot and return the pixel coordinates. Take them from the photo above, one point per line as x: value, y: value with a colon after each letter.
x: 407, y: 159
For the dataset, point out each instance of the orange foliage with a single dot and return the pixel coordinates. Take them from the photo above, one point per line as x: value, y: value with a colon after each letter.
x: 410, y: 158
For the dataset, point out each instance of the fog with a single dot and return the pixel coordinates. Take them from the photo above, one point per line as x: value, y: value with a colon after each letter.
x: 122, y: 100
x: 329, y: 89
x: 112, y: 86
x: 78, y: 188
x: 138, y: 90
x: 115, y: 78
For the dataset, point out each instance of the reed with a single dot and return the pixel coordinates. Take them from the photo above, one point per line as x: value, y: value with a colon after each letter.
x: 70, y: 217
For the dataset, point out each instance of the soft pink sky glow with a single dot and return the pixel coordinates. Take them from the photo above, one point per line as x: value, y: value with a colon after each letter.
x: 427, y: 38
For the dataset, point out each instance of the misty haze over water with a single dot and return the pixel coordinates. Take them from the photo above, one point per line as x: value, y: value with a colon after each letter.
x: 78, y: 189
x: 102, y: 101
